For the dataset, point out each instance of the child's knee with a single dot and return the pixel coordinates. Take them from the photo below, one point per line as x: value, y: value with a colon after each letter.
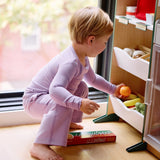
x: 82, y: 90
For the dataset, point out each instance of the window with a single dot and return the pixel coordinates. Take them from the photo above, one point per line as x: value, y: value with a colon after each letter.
x: 31, y: 33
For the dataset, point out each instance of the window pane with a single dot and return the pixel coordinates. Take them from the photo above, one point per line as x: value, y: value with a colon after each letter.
x: 32, y: 32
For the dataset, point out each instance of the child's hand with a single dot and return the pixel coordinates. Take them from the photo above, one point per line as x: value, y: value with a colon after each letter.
x: 88, y: 106
x: 117, y: 91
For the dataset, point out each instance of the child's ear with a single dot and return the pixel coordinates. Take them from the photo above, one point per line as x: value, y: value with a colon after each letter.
x: 90, y: 40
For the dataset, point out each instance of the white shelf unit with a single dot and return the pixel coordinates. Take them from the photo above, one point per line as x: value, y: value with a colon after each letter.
x: 125, y: 69
x: 134, y: 73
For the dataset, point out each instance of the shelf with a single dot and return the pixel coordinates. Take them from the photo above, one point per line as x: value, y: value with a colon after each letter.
x: 134, y: 21
x: 133, y: 117
x: 138, y: 67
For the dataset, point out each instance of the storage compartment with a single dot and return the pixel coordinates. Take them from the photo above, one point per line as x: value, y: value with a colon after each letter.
x: 131, y: 116
x: 138, y: 67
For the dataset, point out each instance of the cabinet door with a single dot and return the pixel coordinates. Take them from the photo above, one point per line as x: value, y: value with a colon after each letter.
x: 152, y: 125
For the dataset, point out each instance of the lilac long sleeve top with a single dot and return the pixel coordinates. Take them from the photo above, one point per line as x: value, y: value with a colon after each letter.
x: 62, y: 75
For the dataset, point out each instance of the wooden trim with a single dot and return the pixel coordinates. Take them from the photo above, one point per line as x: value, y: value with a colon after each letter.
x: 152, y: 150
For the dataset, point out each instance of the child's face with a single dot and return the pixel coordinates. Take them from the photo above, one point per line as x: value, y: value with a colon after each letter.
x: 98, y: 45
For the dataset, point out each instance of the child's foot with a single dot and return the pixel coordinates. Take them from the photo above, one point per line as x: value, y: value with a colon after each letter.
x: 44, y: 152
x: 75, y: 126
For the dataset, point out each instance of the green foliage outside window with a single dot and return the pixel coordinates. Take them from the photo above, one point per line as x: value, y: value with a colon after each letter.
x: 50, y: 15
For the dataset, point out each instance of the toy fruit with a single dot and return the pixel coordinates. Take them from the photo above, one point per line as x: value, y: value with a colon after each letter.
x: 125, y: 91
x: 131, y: 102
x: 131, y: 96
x: 140, y: 107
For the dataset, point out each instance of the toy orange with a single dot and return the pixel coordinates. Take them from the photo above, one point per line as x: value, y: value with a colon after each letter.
x: 125, y: 91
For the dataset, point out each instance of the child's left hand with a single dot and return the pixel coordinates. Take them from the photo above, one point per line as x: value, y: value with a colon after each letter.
x: 117, y: 91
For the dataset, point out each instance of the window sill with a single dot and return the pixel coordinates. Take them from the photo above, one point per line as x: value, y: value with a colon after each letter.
x: 19, y: 117
x: 11, y: 115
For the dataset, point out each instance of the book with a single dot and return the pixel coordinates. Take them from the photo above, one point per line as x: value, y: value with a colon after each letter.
x: 88, y: 137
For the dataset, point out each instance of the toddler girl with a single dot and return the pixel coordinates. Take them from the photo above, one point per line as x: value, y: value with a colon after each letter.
x: 58, y: 94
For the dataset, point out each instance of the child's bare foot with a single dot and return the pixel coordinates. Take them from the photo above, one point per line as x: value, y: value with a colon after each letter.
x: 44, y: 152
x: 75, y: 126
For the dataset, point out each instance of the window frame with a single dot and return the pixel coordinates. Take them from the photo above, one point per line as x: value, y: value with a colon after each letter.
x: 11, y: 106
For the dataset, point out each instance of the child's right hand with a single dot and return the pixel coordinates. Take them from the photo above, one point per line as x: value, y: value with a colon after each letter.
x: 88, y: 106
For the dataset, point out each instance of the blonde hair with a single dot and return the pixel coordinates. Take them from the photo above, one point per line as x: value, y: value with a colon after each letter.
x: 89, y: 21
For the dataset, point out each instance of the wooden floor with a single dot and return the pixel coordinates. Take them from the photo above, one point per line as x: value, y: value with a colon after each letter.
x: 15, y: 143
